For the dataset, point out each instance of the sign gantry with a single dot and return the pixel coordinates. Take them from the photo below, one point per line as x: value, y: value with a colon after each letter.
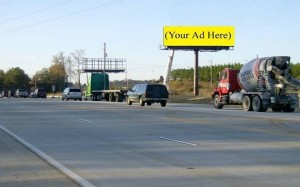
x: 108, y: 65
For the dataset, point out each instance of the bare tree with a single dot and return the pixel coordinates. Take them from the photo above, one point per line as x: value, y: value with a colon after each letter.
x: 70, y: 68
x: 77, y: 55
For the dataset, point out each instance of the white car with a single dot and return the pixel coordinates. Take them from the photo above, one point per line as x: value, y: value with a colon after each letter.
x: 72, y: 93
x: 21, y: 93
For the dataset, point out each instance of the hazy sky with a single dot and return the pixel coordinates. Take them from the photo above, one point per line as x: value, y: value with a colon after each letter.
x: 33, y: 31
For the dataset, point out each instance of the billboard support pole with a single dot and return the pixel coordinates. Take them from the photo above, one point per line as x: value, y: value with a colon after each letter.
x: 196, y: 74
x: 167, y: 78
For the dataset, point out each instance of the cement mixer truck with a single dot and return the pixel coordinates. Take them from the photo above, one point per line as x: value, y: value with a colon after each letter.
x: 261, y: 84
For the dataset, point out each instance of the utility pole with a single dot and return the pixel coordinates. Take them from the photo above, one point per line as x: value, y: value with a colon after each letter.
x: 126, y: 77
x: 78, y: 72
x: 196, y: 74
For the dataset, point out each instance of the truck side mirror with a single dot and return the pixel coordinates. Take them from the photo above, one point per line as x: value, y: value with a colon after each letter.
x: 219, y: 76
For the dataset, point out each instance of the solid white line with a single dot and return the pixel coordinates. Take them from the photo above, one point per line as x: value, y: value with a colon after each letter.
x: 49, y: 160
x: 178, y: 141
x: 85, y: 120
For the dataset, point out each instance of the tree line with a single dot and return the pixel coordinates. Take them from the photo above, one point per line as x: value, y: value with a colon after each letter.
x: 211, y: 73
x: 62, y: 70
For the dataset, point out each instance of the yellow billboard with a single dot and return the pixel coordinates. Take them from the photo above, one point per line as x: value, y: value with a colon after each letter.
x: 198, y: 36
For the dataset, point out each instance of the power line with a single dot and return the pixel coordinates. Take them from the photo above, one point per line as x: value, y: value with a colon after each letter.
x: 35, y: 12
x: 60, y: 17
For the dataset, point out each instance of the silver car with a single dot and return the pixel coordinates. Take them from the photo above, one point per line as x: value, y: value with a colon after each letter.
x: 72, y: 93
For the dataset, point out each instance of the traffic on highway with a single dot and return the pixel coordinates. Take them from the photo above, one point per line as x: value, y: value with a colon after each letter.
x: 98, y: 143
x: 149, y: 93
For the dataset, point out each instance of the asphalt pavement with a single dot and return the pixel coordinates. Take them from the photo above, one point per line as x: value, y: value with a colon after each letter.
x: 113, y: 144
x: 20, y: 167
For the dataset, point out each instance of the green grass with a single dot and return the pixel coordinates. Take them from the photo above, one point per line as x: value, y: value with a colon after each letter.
x: 183, y: 92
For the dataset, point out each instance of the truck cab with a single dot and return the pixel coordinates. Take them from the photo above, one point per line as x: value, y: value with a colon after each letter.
x: 228, y: 83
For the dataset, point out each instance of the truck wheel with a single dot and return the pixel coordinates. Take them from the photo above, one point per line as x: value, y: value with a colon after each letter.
x: 142, y: 103
x: 118, y: 98
x: 276, y: 108
x: 106, y: 96
x: 128, y: 101
x: 247, y: 104
x: 163, y: 103
x: 217, y: 103
x: 257, y: 105
x: 112, y: 98
x: 99, y: 98
x: 288, y: 109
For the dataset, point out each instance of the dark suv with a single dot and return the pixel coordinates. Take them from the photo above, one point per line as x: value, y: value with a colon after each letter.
x: 148, y: 93
x: 40, y: 93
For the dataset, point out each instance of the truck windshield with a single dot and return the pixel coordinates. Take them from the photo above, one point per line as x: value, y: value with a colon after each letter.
x: 223, y: 75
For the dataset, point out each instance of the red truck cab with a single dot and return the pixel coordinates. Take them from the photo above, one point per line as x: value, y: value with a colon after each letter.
x: 228, y: 83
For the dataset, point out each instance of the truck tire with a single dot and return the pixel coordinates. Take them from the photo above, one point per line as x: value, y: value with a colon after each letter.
x: 276, y: 108
x: 142, y: 103
x: 247, y: 104
x: 106, y: 96
x: 217, y: 103
x: 163, y: 103
x: 119, y: 97
x: 288, y: 109
x: 257, y: 104
x: 112, y: 97
x: 128, y: 101
x: 94, y: 97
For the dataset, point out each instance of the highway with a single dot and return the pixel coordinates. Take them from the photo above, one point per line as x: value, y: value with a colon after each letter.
x: 113, y: 144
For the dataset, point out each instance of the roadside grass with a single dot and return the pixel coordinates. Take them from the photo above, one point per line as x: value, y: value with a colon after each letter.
x: 183, y: 92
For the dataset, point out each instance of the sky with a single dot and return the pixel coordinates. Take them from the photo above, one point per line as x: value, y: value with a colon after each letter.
x: 33, y: 31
